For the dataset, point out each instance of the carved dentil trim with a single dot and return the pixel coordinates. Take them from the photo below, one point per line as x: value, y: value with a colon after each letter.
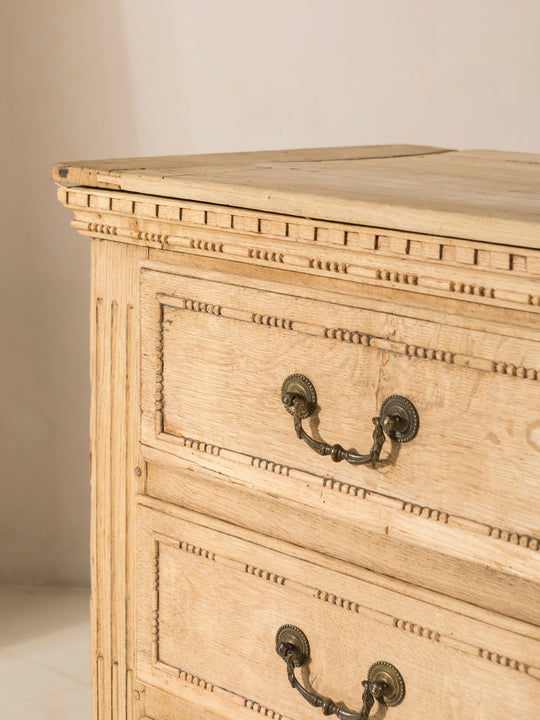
x: 332, y: 599
x: 469, y: 289
x: 426, y: 512
x: 331, y: 266
x: 206, y: 245
x: 155, y: 603
x: 200, y: 446
x: 272, y: 321
x: 159, y: 399
x: 202, y: 307
x: 343, y: 487
x: 197, y: 681
x: 268, y: 255
x: 102, y: 228
x: 263, y: 710
x: 515, y: 538
x: 357, y: 242
x: 265, y: 574
x: 152, y: 237
x: 270, y: 466
x: 397, y: 277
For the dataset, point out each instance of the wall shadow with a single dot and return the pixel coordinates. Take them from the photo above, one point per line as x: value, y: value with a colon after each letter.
x: 66, y: 96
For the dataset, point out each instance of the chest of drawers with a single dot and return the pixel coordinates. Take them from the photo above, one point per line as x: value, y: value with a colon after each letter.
x: 315, y: 433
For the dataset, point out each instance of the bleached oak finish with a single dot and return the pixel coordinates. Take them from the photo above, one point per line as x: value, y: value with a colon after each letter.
x: 415, y: 548
x: 210, y: 602
x: 477, y: 194
x: 214, y: 358
x: 484, y: 274
x: 115, y: 472
x: 216, y: 354
x: 374, y: 271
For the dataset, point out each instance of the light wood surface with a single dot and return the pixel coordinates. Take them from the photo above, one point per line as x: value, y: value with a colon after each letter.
x: 241, y: 343
x: 374, y: 271
x: 480, y: 195
x: 210, y: 604
x: 487, y: 275
x: 368, y: 533
x: 115, y: 473
x: 91, y: 172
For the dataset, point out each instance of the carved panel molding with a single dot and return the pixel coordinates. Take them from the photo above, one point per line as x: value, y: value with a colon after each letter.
x: 355, y: 336
x: 297, y: 585
x: 394, y: 504
x: 448, y: 267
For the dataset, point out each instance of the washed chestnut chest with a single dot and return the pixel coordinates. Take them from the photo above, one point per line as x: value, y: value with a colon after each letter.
x: 315, y: 433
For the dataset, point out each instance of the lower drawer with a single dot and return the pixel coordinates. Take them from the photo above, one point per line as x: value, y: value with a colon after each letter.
x: 211, y: 598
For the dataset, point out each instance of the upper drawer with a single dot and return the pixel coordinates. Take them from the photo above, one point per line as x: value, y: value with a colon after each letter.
x: 215, y: 355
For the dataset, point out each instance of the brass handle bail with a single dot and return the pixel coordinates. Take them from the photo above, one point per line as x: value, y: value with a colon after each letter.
x: 397, y: 419
x: 384, y: 683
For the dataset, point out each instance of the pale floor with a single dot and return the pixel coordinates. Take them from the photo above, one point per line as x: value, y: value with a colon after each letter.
x: 44, y: 654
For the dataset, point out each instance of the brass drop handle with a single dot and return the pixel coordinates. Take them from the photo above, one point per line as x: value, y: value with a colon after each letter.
x: 384, y: 682
x: 398, y: 419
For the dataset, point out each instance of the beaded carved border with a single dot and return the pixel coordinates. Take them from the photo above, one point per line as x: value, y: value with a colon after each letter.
x: 353, y: 336
x: 495, y: 275
x: 298, y: 586
x: 356, y: 337
x: 184, y: 676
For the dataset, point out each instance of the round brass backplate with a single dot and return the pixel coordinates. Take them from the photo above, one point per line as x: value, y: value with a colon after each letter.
x: 291, y: 635
x: 405, y: 418
x: 383, y: 671
x: 299, y: 385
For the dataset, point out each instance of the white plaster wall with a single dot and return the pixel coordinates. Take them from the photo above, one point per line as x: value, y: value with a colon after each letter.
x: 109, y: 78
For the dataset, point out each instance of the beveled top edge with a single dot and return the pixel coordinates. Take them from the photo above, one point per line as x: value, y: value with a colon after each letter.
x: 71, y: 172
x: 483, y: 195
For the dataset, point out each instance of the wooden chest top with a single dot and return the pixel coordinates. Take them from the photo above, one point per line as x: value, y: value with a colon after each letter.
x: 475, y: 194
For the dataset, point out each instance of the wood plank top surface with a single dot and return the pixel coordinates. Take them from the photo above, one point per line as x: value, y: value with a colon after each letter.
x: 484, y: 195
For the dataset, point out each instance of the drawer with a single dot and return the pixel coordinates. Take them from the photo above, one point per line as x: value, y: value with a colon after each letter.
x: 457, y: 570
x: 214, y: 358
x: 211, y: 598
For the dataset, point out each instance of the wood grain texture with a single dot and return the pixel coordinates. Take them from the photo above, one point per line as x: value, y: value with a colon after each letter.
x: 369, y: 532
x: 191, y: 576
x: 160, y: 705
x: 115, y: 470
x: 479, y: 195
x: 375, y: 271
x: 90, y: 172
x: 241, y: 343
x: 486, y: 275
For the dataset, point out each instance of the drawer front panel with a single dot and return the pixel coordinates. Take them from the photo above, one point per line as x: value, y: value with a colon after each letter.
x: 215, y: 356
x: 209, y: 603
x: 454, y: 569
